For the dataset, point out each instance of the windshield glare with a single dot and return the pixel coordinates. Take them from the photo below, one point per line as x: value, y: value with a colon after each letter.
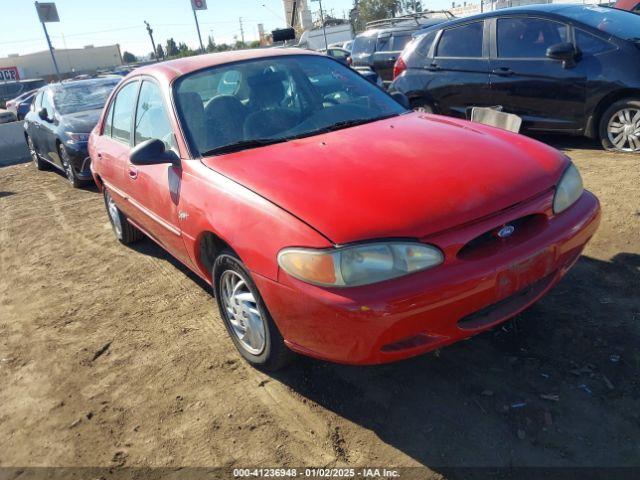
x: 620, y: 23
x: 277, y: 98
x: 78, y: 97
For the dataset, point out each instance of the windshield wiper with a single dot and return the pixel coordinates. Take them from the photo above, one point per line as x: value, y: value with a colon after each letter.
x: 353, y: 123
x: 242, y: 145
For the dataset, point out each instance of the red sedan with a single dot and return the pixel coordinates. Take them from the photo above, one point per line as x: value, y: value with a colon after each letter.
x: 329, y: 219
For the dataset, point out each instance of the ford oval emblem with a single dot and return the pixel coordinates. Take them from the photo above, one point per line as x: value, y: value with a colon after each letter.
x: 506, y: 231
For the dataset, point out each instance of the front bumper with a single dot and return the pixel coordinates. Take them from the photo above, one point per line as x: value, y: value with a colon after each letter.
x: 405, y: 317
x: 80, y: 160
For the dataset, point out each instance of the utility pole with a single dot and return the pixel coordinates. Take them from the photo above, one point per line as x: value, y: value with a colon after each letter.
x: 153, y: 44
x: 241, y: 30
x: 324, y: 30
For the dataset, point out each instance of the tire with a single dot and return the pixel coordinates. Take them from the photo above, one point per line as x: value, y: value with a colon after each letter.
x: 122, y: 229
x: 250, y: 326
x: 35, y: 158
x: 69, y: 172
x: 620, y: 126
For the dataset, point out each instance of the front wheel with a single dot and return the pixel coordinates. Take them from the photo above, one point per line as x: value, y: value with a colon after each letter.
x: 253, y: 331
x: 620, y: 126
x: 35, y: 158
x: 69, y: 171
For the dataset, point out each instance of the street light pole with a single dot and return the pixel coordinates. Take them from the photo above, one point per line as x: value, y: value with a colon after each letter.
x: 324, y: 30
x: 46, y: 34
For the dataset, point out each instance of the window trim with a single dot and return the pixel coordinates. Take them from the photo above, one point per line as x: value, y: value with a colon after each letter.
x: 436, y: 43
x: 494, y: 35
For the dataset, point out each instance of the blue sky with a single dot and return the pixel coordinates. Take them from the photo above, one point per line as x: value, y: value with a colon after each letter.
x: 102, y: 22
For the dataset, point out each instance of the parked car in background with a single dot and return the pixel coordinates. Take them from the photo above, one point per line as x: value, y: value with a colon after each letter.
x: 10, y: 90
x: 563, y: 68
x: 21, y: 105
x: 340, y: 54
x: 380, y: 45
x: 630, y: 5
x: 329, y: 218
x: 7, y: 116
x: 314, y: 39
x: 57, y: 127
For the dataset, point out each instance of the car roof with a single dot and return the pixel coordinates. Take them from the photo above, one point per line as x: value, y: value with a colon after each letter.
x: 425, y: 24
x: 172, y: 69
x: 88, y: 81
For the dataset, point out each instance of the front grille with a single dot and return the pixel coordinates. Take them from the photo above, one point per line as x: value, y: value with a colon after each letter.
x: 489, y: 243
x: 507, y: 307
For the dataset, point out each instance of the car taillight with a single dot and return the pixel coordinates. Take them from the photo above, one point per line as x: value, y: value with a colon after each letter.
x: 399, y: 67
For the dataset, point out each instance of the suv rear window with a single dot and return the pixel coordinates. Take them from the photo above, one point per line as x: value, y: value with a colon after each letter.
x: 462, y: 42
x: 364, y: 45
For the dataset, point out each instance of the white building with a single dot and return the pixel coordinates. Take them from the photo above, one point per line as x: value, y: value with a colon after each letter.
x: 70, y: 61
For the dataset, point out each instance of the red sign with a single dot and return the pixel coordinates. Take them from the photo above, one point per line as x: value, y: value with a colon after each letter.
x: 9, y: 73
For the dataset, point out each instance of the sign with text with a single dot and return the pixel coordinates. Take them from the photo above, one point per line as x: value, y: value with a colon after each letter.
x: 47, y: 12
x: 9, y: 74
x: 199, y: 4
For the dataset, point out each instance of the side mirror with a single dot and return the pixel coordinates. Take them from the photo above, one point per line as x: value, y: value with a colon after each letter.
x: 152, y: 152
x: 402, y: 99
x: 43, y: 114
x: 565, y: 52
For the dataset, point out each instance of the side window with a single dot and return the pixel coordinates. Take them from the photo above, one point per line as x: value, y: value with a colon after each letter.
x: 400, y: 41
x: 123, y: 111
x: 590, y: 44
x: 528, y: 37
x: 108, y: 120
x: 37, y: 103
x: 424, y: 47
x: 151, y: 117
x: 384, y: 44
x: 637, y: 8
x: 462, y: 42
x: 47, y: 103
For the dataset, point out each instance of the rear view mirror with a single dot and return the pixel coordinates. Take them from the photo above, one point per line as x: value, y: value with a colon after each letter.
x: 43, y: 114
x: 152, y: 152
x: 565, y: 52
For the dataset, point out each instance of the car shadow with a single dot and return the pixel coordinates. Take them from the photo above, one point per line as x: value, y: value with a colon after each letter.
x: 556, y: 386
x: 569, y: 142
x: 6, y: 194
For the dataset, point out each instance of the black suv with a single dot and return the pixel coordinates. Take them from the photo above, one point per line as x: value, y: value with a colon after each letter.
x: 563, y: 68
x: 379, y: 46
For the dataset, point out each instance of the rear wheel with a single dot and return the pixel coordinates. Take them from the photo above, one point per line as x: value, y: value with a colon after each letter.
x: 620, y: 126
x: 35, y: 158
x: 123, y: 230
x: 245, y: 315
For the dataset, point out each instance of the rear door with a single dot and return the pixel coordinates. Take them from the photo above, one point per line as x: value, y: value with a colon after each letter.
x: 545, y: 93
x: 47, y: 144
x: 460, y: 69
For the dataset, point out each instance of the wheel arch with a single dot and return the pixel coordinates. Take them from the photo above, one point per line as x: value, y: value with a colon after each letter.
x: 593, y: 122
x: 209, y: 245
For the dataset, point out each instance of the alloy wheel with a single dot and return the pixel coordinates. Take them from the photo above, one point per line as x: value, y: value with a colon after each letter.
x: 66, y: 163
x: 623, y: 130
x: 241, y: 309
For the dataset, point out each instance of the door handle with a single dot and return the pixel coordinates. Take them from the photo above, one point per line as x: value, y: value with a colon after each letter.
x: 133, y: 172
x: 433, y: 67
x: 503, y: 71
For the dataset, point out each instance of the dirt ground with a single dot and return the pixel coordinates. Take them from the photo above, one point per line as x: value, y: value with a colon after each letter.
x: 114, y: 356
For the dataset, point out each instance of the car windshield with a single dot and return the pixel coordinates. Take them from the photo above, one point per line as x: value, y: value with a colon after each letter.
x: 608, y: 20
x: 253, y: 103
x: 76, y: 97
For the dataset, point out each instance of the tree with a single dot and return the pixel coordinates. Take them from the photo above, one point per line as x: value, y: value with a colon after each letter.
x: 159, y: 52
x: 172, y: 48
x: 371, y: 10
x: 128, y: 57
x: 211, y: 45
x: 254, y: 44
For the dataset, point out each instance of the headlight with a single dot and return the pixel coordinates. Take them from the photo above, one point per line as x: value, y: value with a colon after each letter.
x: 568, y: 190
x: 358, y: 264
x: 77, y: 137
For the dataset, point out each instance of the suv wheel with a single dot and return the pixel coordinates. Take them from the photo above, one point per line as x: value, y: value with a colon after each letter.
x: 253, y: 331
x: 123, y: 230
x: 620, y: 126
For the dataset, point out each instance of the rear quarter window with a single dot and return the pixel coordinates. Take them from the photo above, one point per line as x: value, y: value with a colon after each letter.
x: 364, y: 45
x: 425, y: 42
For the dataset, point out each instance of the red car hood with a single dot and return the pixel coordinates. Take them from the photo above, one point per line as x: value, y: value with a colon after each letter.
x: 407, y: 176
